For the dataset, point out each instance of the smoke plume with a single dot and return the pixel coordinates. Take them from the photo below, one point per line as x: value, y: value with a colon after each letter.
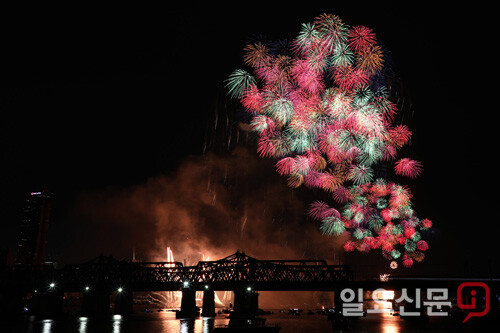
x: 210, y: 207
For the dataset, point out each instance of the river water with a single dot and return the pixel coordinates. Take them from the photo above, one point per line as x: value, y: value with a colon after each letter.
x: 164, y: 322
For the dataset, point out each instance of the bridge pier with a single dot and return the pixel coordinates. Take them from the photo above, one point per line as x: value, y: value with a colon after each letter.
x: 208, y: 303
x: 188, y: 304
x: 246, y: 303
x: 124, y: 301
x: 95, y: 302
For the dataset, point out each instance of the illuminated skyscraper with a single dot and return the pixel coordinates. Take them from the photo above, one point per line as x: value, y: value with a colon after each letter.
x: 34, y: 227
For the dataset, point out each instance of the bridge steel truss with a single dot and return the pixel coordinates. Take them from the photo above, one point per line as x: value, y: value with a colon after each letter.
x: 235, y: 272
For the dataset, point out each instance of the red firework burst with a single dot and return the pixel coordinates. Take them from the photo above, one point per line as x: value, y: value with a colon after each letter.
x: 408, y: 167
x: 349, y: 246
x: 426, y: 223
x: 422, y: 245
x: 407, y: 261
x: 349, y: 78
x: 361, y: 39
x: 399, y: 136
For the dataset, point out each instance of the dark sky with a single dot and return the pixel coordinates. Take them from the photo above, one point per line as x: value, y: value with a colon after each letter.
x: 93, y: 98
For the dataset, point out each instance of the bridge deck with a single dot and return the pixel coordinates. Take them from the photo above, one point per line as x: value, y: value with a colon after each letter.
x: 233, y: 272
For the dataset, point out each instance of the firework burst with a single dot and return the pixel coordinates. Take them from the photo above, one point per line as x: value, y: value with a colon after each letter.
x: 256, y: 55
x: 407, y: 167
x: 321, y: 107
x: 361, y: 39
x: 238, y: 82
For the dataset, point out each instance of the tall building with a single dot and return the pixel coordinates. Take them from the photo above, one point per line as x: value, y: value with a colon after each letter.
x: 34, y: 227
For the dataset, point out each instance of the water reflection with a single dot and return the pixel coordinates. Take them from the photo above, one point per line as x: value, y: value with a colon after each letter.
x: 170, y: 324
x: 117, y: 321
x: 390, y: 327
x: 82, y: 328
x: 390, y: 324
x: 165, y: 322
x: 187, y: 326
x: 47, y: 325
x: 208, y: 325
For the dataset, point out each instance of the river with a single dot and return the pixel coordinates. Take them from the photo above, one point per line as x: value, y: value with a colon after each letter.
x: 165, y: 322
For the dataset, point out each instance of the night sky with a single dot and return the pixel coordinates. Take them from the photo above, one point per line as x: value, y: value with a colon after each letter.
x: 95, y: 100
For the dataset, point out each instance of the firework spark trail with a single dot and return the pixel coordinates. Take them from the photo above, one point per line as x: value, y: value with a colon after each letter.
x: 171, y: 299
x: 170, y: 257
x: 322, y: 108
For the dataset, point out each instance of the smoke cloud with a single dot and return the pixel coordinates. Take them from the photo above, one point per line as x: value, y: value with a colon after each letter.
x: 210, y: 207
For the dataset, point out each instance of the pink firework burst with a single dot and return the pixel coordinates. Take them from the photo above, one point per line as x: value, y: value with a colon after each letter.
x: 316, y: 161
x: 408, y: 167
x: 389, y: 152
x: 265, y: 147
x: 324, y: 180
x: 252, y: 100
x: 263, y: 124
x: 341, y: 194
x: 317, y: 209
x: 307, y: 78
x: 285, y: 166
x: 350, y: 79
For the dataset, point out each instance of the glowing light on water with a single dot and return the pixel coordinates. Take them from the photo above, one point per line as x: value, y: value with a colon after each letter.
x: 117, y: 321
x: 83, y: 325
x: 47, y: 325
x: 382, y: 298
x: 390, y: 324
x: 187, y: 325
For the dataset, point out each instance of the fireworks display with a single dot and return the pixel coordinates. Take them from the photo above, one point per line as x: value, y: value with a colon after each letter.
x: 321, y: 107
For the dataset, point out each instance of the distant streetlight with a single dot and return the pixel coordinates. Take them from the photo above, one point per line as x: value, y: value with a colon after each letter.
x: 249, y: 289
x: 120, y: 289
x: 87, y: 288
x: 206, y: 286
x: 186, y: 284
x: 52, y: 285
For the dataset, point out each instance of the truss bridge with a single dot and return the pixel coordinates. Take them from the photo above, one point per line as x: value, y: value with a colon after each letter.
x: 243, y: 274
